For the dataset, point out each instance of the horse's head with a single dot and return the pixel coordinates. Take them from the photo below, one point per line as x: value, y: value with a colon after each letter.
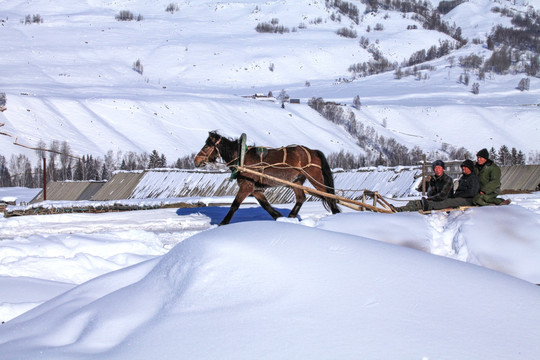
x: 210, y: 151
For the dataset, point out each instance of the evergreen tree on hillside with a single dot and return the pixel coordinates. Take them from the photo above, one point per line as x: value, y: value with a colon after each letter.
x: 505, y: 158
x: 78, y: 175
x: 105, y: 172
x: 493, y: 154
x: 156, y: 161
x: 5, y: 177
x: 28, y: 178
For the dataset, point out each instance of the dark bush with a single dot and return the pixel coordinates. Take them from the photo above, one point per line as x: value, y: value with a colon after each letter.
x: 138, y: 67
x: 346, y: 32
x: 269, y: 28
x: 172, y: 7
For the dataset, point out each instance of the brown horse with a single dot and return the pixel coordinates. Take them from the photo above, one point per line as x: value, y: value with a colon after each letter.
x: 292, y: 163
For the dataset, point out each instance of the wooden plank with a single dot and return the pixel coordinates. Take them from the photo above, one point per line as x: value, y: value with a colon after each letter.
x: 460, y: 208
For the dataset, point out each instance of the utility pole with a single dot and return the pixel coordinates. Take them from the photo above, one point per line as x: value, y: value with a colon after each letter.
x: 424, y: 176
x: 44, y: 178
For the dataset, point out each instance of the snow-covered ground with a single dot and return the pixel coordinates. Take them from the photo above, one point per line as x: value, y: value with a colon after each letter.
x: 159, y: 283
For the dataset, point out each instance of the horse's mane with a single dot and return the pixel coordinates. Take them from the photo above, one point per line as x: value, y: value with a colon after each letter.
x: 228, y: 146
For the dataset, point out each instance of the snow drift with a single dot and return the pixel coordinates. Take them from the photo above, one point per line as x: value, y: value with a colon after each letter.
x: 270, y: 290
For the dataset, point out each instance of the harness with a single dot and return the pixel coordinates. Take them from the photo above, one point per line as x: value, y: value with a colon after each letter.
x: 241, y: 156
x: 262, y: 152
x: 261, y: 166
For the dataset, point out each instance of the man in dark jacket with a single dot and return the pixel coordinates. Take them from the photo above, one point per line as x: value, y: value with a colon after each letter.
x: 440, y: 187
x: 489, y: 175
x: 468, y: 188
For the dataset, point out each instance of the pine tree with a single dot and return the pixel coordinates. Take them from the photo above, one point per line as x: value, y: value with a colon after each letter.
x: 162, y: 161
x: 520, y: 158
x: 5, y: 177
x: 154, y: 161
x: 493, y: 154
x: 104, y: 173
x: 514, y: 156
x: 79, y: 173
x: 28, y: 178
x: 69, y: 172
x: 505, y: 158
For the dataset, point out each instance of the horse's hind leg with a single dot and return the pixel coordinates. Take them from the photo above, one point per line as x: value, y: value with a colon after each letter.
x: 259, y: 195
x: 300, y: 199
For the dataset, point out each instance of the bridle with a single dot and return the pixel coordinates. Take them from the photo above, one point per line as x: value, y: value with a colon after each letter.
x: 211, y: 149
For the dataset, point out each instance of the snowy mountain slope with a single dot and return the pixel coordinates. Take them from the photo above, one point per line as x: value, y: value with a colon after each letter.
x: 71, y: 78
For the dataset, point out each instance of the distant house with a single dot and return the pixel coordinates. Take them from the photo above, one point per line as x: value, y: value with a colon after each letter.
x: 260, y: 96
x: 295, y: 101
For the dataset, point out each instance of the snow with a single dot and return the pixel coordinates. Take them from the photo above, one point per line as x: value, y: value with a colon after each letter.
x: 170, y: 283
x: 159, y: 283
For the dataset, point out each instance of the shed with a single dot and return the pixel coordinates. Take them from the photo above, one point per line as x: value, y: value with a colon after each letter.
x: 120, y: 186
x: 69, y: 190
x: 520, y: 178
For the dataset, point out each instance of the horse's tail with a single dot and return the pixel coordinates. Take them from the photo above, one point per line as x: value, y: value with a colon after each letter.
x: 329, y: 204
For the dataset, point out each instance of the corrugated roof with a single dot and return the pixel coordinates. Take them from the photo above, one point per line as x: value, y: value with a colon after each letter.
x: 69, y: 191
x: 520, y: 177
x: 92, y: 188
x: 120, y: 186
x: 186, y: 183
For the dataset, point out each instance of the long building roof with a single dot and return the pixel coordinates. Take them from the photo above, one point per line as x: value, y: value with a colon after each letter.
x: 189, y: 183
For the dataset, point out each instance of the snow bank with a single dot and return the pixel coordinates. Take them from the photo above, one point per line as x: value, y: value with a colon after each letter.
x: 267, y: 290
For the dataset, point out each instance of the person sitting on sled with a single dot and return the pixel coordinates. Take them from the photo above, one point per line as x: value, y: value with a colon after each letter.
x: 489, y: 175
x: 468, y: 188
x: 440, y: 187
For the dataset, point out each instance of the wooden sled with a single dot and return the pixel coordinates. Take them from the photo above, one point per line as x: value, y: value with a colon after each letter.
x: 447, y: 210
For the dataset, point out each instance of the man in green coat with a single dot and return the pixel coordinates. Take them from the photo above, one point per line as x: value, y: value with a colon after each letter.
x: 489, y: 175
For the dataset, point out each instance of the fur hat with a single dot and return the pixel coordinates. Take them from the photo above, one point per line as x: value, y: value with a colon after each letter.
x: 468, y: 164
x: 483, y: 153
x: 438, y: 163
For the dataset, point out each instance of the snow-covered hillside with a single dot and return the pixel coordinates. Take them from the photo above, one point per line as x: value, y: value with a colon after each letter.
x: 71, y: 77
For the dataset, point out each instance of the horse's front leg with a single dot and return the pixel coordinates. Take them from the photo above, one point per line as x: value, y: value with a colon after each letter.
x: 246, y: 188
x: 300, y: 199
x: 259, y: 195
